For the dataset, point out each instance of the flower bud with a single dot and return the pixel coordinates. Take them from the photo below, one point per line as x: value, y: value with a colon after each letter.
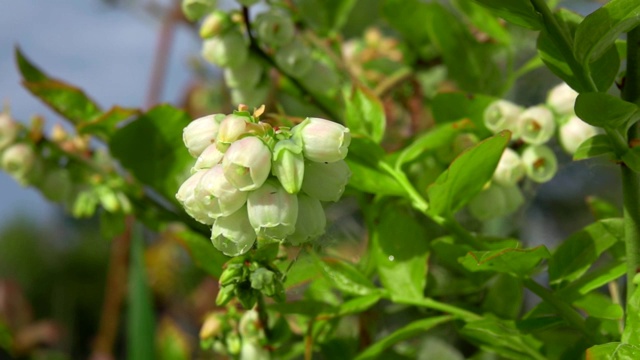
x: 247, y: 163
x: 540, y: 163
x: 218, y: 195
x: 562, y: 99
x: 536, y: 125
x: 288, y: 165
x: 311, y: 222
x: 195, y: 9
x: 226, y: 50
x: 209, y: 158
x: 192, y: 205
x: 8, y: 130
x: 251, y: 96
x: 19, y: 161
x: 214, y: 24
x: 325, y: 181
x: 272, y: 211
x: 233, y: 234
x: 510, y: 169
x: 253, y: 351
x: 231, y: 128
x: 488, y: 204
x: 574, y: 132
x: 274, y: 28
x: 233, y: 343
x: 502, y: 115
x: 264, y: 280
x: 244, y: 76
x: 201, y: 133
x: 323, y: 140
x: 294, y: 59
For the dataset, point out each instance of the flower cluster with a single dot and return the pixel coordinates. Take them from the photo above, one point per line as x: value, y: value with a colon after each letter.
x: 533, y: 127
x: 251, y: 180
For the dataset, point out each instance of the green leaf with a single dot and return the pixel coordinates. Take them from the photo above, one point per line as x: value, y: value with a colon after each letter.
x: 598, y: 145
x: 401, y: 249
x: 504, y: 297
x: 631, y: 332
x: 484, y: 20
x: 467, y: 175
x: 364, y: 113
x: 632, y: 158
x: 449, y: 107
x: 303, y: 307
x: 363, y: 159
x: 403, y: 15
x: 303, y: 270
x: 67, y: 100
x: 203, y: 253
x: 613, y: 351
x: 577, y: 253
x: 604, y: 110
x: 413, y: 329
x: 514, y: 261
x: 599, y: 306
x: 599, y: 30
x: 151, y: 148
x: 519, y: 12
x: 106, y: 124
x: 345, y: 277
x: 357, y: 305
x: 140, y: 314
x: 602, y: 209
x: 435, y: 138
x: 503, y: 338
x: 325, y: 15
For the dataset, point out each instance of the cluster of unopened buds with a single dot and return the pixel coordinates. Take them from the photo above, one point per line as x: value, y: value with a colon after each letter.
x: 533, y: 127
x: 251, y: 180
x: 231, y: 333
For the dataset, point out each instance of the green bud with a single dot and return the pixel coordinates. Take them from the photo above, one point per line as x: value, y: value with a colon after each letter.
x: 232, y: 274
x: 214, y: 24
x: 226, y: 50
x: 195, y: 9
x: 272, y: 211
x: 233, y: 234
x: 108, y: 199
x: 263, y: 279
x: 225, y: 294
x: 288, y: 165
x: 325, y: 181
x: 311, y: 222
x: 274, y: 28
x: 234, y: 343
x: 536, y: 125
x: 540, y: 163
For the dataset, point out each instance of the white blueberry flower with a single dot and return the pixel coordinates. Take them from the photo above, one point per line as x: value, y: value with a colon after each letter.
x: 247, y: 163
x: 218, y: 195
x: 288, y: 165
x: 210, y: 157
x: 201, y: 133
x: 231, y: 128
x: 228, y: 49
x: 19, y: 161
x: 325, y: 181
x: 245, y: 75
x: 233, y: 234
x: 311, y: 222
x: 574, y: 132
x: 274, y: 28
x: 502, y: 115
x: 323, y: 140
x: 562, y: 99
x: 540, y: 163
x: 8, y: 130
x: 536, y: 125
x: 193, y: 205
x: 510, y: 169
x: 272, y: 211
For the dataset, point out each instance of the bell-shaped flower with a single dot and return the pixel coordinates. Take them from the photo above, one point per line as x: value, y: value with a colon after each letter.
x: 294, y: 59
x: 323, y: 140
x: 201, y: 133
x: 228, y: 49
x: 233, y: 234
x: 574, y: 132
x: 274, y: 28
x: 536, y: 125
x: 272, y: 211
x: 540, y: 163
x: 510, y: 169
x: 288, y: 165
x: 19, y: 160
x: 247, y: 163
x: 244, y: 76
x: 209, y: 158
x: 325, y: 181
x: 218, y: 195
x: 311, y: 222
x: 231, y: 129
x: 192, y: 204
x: 8, y: 130
x: 561, y: 99
x: 502, y: 115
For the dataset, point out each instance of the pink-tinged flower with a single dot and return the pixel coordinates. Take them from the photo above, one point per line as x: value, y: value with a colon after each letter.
x: 209, y: 158
x: 325, y: 182
x: 323, y: 140
x: 311, y: 222
x: 272, y: 211
x: 247, y: 163
x: 233, y: 234
x: 201, y: 133
x: 218, y: 195
x: 231, y: 128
